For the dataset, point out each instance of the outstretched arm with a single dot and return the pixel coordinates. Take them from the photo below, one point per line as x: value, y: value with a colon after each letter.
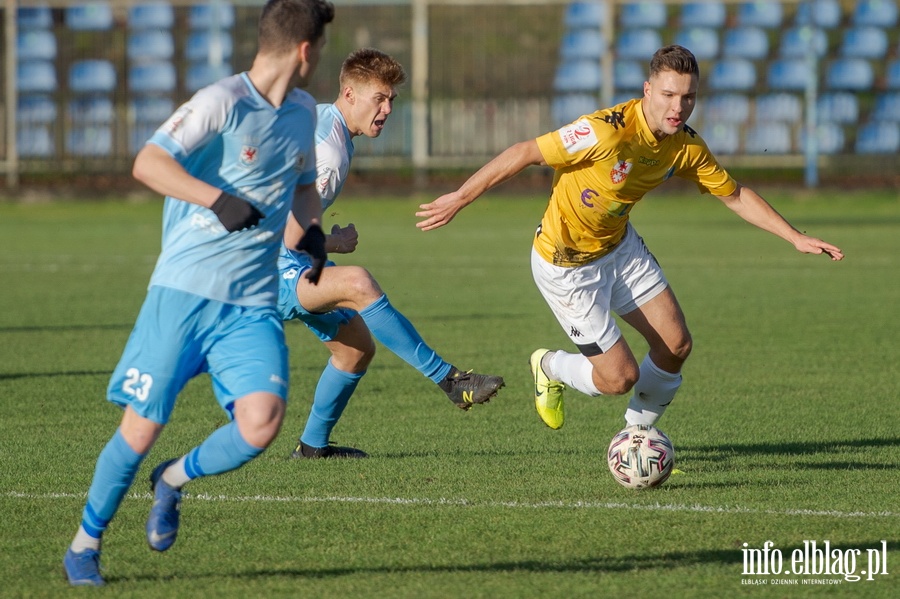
x: 750, y: 206
x: 507, y: 164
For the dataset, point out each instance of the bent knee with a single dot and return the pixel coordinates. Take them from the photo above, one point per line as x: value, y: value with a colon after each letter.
x: 618, y: 383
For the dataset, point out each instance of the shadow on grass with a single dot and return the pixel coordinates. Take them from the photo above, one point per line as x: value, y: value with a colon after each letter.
x: 30, y: 375
x: 67, y: 327
x: 726, y: 451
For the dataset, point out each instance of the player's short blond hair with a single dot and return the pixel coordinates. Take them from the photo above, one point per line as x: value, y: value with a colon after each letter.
x: 368, y: 65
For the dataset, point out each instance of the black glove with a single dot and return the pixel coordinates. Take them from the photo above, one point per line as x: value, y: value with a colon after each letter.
x: 235, y: 213
x: 313, y: 243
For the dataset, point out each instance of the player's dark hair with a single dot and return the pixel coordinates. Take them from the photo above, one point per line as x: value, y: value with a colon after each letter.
x: 368, y: 64
x: 284, y: 24
x: 674, y: 58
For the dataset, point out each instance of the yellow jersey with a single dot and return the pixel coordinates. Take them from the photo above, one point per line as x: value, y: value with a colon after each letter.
x: 604, y: 163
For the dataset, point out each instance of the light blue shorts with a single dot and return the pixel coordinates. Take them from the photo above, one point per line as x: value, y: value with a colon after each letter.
x: 291, y: 266
x: 179, y: 335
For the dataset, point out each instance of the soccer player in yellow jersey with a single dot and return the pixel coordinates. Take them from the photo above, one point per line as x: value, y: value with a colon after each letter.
x: 589, y: 262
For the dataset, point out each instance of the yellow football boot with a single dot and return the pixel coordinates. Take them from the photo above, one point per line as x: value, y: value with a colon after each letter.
x: 548, y: 394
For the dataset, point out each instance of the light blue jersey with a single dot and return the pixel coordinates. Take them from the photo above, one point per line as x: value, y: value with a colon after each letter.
x: 231, y: 137
x: 334, y: 152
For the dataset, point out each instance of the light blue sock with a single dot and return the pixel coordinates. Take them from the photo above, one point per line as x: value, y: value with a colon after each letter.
x: 397, y: 334
x: 333, y: 392
x: 224, y: 450
x: 115, y: 471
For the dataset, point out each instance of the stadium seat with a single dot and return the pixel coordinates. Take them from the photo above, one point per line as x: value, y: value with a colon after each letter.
x: 838, y: 107
x: 788, y: 74
x: 150, y: 109
x: 643, y: 14
x: 151, y: 15
x: 36, y: 108
x: 92, y: 75
x: 768, y: 138
x: 702, y: 41
x: 566, y: 108
x: 139, y: 134
x: 887, y: 107
x: 578, y: 75
x: 577, y: 43
x: 34, y: 17
x: 211, y: 15
x: 92, y: 108
x: 36, y: 76
x: 585, y: 14
x: 864, y: 42
x: 151, y: 44
x: 878, y: 137
x: 200, y: 45
x: 202, y: 74
x: 726, y: 108
x: 732, y: 74
x: 639, y: 44
x: 34, y: 142
x: 629, y: 75
x: 703, y: 14
x: 892, y: 75
x: 767, y: 15
x: 146, y: 77
x: 35, y: 44
x: 877, y: 13
x: 849, y: 74
x: 722, y: 138
x: 89, y: 140
x: 796, y: 41
x: 779, y: 106
x: 745, y: 42
x: 91, y: 16
x: 829, y: 139
x: 819, y: 13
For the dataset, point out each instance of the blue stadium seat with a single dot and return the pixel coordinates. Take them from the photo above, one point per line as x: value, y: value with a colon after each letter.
x: 34, y: 17
x: 200, y: 44
x: 90, y: 140
x: 35, y: 44
x: 788, y: 74
x: 766, y: 14
x: 887, y: 107
x: 624, y: 96
x: 201, y: 74
x: 703, y: 14
x: 566, y: 108
x: 819, y: 13
x: 643, y: 14
x: 93, y: 75
x: 732, y: 74
x: 849, y: 74
x: 585, y: 14
x: 92, y: 108
x: 702, y: 41
x: 722, y: 138
x: 150, y: 109
x: 36, y: 76
x: 865, y: 42
x: 577, y: 43
x: 795, y: 42
x: 91, y: 16
x: 36, y: 108
x: 829, y: 139
x: 628, y: 75
x: 779, y: 106
x: 768, y: 138
x: 892, y: 75
x: 878, y: 13
x: 151, y: 15
x: 151, y: 77
x: 578, y: 75
x: 878, y: 137
x: 211, y: 15
x: 745, y: 42
x: 34, y: 142
x: 639, y: 44
x: 726, y: 108
x: 151, y: 44
x: 838, y: 107
x: 139, y: 134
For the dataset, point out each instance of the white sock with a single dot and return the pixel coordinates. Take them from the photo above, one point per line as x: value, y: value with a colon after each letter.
x: 654, y: 391
x: 574, y: 370
x: 175, y: 475
x: 83, y: 541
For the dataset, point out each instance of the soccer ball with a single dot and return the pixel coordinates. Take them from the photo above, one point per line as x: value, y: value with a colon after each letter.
x: 640, y: 456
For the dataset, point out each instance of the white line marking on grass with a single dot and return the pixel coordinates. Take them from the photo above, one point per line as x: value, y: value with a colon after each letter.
x: 566, y: 505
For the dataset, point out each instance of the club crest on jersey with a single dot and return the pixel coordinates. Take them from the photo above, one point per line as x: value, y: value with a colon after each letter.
x: 577, y: 136
x: 249, y: 155
x: 619, y: 172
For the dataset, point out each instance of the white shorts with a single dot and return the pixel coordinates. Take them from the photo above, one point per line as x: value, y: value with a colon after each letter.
x: 583, y: 297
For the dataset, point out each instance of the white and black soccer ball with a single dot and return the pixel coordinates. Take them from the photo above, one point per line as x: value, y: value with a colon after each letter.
x: 640, y: 456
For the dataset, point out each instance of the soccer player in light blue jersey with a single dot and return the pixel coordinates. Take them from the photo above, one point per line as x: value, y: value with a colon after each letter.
x: 236, y: 163
x: 347, y: 307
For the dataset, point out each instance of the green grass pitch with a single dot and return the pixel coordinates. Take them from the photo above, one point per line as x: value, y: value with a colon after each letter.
x: 786, y: 426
